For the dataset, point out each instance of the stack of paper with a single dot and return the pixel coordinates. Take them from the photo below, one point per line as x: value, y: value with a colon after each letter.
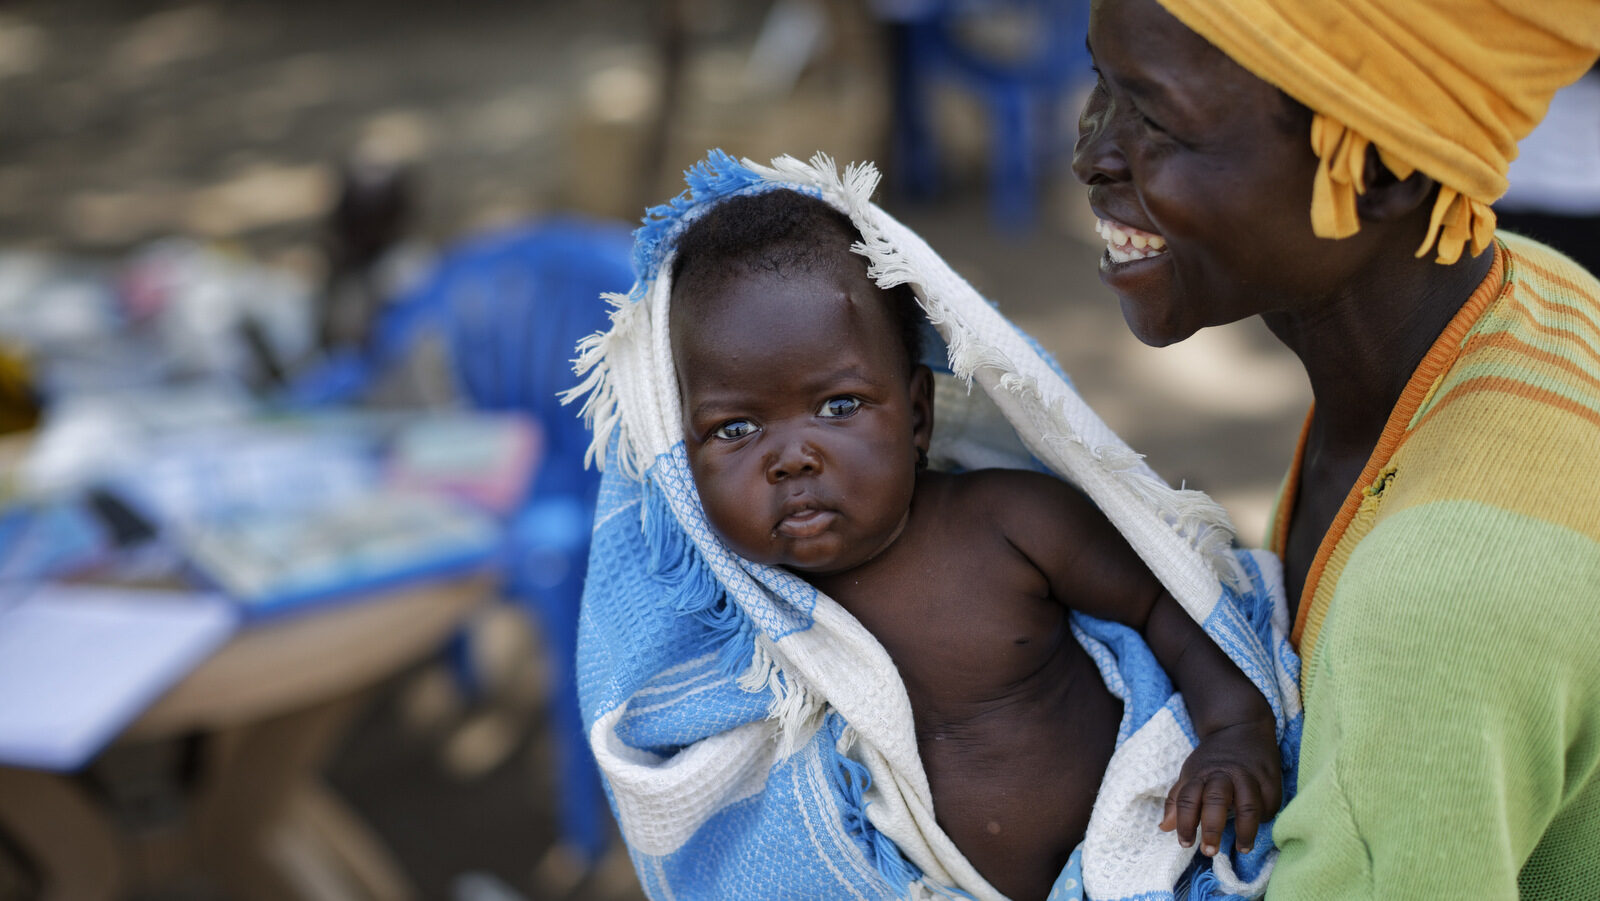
x: 78, y: 664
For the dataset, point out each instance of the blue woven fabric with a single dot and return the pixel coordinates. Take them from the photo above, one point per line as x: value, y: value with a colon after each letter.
x: 739, y: 717
x: 664, y: 664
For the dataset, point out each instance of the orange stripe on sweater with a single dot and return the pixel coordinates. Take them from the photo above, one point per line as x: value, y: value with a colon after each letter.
x: 1519, y: 304
x: 1440, y: 356
x: 1516, y: 388
x: 1549, y: 275
x: 1579, y: 315
x: 1509, y: 342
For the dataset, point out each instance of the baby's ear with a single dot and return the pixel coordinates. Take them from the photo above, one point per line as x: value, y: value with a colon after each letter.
x: 922, y: 406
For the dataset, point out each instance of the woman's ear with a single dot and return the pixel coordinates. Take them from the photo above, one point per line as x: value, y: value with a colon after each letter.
x: 921, y: 407
x: 1388, y: 197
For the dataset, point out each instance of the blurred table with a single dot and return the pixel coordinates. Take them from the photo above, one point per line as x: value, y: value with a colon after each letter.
x: 263, y: 714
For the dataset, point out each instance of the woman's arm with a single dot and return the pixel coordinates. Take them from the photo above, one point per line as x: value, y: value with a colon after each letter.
x: 1452, y: 737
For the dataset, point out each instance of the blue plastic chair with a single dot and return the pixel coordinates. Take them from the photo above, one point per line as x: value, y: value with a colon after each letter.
x: 1022, y: 95
x: 512, y: 305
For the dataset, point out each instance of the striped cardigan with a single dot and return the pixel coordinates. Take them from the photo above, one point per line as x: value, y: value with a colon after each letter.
x: 1451, y: 619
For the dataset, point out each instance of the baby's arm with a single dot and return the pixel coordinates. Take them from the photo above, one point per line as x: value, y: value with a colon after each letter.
x: 1091, y: 568
x: 1236, y: 763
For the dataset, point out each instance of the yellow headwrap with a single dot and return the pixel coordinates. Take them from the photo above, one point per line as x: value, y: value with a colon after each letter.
x: 1447, y: 87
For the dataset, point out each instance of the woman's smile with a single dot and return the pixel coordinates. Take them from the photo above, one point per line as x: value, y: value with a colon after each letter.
x: 1126, y: 244
x: 1199, y: 226
x: 1132, y: 259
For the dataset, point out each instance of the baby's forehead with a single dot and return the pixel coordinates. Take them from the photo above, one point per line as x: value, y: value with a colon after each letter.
x: 792, y: 315
x: 805, y: 288
x: 820, y: 254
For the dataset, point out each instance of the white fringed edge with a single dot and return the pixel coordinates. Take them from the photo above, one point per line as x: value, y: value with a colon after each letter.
x: 598, y: 388
x: 797, y: 709
x: 1194, y: 516
x: 629, y: 391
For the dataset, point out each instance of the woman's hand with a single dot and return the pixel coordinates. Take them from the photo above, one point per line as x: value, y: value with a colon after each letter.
x: 1235, y: 767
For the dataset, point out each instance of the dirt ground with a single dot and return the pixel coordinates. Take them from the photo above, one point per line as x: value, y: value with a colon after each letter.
x: 121, y: 122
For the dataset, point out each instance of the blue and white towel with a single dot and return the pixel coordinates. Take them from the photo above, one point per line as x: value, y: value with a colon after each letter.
x: 756, y: 741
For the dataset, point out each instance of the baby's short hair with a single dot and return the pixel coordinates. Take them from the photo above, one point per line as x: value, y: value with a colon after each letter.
x: 780, y: 230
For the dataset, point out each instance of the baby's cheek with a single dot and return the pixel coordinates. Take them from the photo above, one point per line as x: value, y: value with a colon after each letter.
x: 735, y: 519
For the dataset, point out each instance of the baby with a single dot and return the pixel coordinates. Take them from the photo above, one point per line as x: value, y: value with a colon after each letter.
x: 807, y: 420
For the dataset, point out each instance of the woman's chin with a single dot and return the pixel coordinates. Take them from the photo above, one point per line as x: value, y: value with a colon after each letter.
x: 1152, y: 331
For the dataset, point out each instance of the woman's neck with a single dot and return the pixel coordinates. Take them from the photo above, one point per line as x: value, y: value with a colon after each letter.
x: 1362, y: 345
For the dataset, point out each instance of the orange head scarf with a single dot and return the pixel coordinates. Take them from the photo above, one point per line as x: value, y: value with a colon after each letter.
x: 1446, y: 87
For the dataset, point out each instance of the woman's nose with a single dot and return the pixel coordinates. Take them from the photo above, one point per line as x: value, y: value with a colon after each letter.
x: 794, y: 458
x: 1096, y: 158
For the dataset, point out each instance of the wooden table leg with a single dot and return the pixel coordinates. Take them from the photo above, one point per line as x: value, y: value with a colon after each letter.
x: 266, y: 828
x: 63, y: 833
x: 264, y: 712
x: 343, y: 843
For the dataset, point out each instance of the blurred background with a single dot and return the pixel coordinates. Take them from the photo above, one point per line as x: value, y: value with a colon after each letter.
x: 285, y: 288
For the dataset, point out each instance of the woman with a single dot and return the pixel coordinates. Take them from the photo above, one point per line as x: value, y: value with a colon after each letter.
x: 1441, y: 521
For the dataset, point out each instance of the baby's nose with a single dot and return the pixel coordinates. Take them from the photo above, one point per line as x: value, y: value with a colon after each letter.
x: 795, y: 458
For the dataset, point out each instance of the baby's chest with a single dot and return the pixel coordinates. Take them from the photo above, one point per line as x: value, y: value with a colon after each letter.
x: 974, y: 638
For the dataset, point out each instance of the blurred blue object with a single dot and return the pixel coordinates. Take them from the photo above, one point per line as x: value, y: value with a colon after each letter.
x: 46, y: 539
x: 516, y: 305
x: 512, y: 306
x: 1021, y: 57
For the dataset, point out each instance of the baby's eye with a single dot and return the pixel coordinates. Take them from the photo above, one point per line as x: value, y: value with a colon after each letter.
x: 835, y: 407
x: 734, y: 429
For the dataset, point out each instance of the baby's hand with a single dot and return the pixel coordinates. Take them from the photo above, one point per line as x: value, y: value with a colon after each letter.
x: 1236, y: 766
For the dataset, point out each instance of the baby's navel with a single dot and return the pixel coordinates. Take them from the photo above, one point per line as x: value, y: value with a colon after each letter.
x: 993, y: 827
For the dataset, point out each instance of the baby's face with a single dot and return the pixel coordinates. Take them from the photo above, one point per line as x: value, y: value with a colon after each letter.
x: 801, y: 416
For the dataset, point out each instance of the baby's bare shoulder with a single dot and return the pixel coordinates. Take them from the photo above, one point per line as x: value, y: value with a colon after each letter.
x: 988, y: 486
x: 1021, y: 499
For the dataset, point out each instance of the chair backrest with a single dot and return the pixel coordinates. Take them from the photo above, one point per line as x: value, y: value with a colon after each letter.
x: 1023, y: 58
x: 1048, y: 53
x: 513, y: 304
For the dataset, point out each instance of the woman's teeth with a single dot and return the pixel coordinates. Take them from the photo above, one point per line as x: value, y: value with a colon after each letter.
x: 1125, y: 243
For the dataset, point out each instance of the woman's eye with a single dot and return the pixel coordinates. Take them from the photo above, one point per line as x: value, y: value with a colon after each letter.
x: 835, y: 407
x: 1148, y: 122
x: 734, y: 429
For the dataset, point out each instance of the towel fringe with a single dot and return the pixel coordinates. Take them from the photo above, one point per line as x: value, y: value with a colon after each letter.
x: 1202, y: 522
x: 744, y: 653
x: 759, y: 643
x: 796, y: 709
x: 850, y: 781
x: 673, y: 556
x: 691, y: 589
x: 597, y: 386
x: 717, y: 175
x: 1195, y: 515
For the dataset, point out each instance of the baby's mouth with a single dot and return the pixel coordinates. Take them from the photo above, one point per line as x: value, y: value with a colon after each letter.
x: 1124, y: 243
x: 805, y: 523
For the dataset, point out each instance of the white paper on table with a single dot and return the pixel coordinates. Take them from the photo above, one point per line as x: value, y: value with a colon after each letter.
x: 79, y: 663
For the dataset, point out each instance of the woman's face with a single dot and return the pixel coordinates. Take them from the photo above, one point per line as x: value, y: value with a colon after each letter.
x: 1201, y: 176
